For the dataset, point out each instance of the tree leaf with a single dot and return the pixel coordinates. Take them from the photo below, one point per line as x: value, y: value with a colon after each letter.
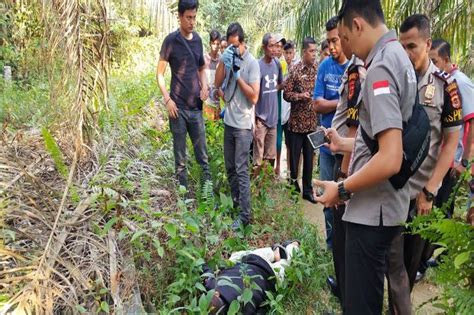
x: 109, y: 224
x: 461, y: 259
x: 137, y: 234
x: 81, y: 309
x: 233, y: 308
x: 247, y: 296
x: 171, y: 229
x: 200, y: 287
x: 104, y: 306
x: 160, y: 250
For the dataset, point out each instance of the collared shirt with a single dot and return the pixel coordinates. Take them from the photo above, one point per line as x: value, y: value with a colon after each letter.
x: 349, y: 91
x: 303, y: 117
x: 388, y: 95
x: 445, y: 117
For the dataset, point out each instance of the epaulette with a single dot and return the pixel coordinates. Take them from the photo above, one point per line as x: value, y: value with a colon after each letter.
x: 443, y: 75
x: 451, y: 87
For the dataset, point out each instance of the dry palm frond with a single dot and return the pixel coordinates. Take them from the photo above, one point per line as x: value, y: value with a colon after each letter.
x: 52, y: 263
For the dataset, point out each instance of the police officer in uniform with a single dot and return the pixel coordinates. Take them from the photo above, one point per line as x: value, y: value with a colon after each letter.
x: 375, y: 209
x: 438, y: 94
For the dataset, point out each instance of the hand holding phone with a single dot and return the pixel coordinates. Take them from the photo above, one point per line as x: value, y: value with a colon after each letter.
x: 318, y: 139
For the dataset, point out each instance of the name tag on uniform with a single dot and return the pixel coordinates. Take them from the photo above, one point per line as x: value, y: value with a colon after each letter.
x: 429, y: 94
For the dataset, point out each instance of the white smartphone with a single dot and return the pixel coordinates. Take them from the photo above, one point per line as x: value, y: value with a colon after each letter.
x: 318, y: 139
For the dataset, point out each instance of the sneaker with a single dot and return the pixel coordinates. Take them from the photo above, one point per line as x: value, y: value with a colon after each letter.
x: 419, y: 276
x: 332, y: 283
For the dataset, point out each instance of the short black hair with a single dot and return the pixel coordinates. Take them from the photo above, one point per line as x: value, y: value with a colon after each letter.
x: 324, y: 44
x: 289, y: 45
x: 443, y: 47
x: 236, y: 29
x: 332, y: 23
x: 184, y: 5
x: 308, y: 41
x: 369, y: 10
x: 214, y: 35
x: 420, y: 21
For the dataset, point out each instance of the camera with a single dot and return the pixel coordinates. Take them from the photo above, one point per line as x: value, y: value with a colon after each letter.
x: 236, y: 58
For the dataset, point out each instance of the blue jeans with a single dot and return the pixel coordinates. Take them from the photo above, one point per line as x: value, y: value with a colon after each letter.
x: 189, y: 122
x: 236, y: 157
x: 326, y: 172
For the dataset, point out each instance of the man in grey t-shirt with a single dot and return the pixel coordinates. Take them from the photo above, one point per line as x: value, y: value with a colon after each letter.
x: 240, y: 94
x: 374, y: 209
x: 266, y: 109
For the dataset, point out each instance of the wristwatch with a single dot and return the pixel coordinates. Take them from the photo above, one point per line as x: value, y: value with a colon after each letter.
x: 429, y: 195
x: 464, y: 163
x: 344, y: 195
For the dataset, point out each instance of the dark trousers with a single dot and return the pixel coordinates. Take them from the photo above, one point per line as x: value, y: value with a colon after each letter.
x: 236, y: 158
x: 339, y: 239
x: 299, y: 142
x: 399, y: 301
x: 338, y: 249
x: 366, y: 253
x: 189, y: 122
x: 327, y: 164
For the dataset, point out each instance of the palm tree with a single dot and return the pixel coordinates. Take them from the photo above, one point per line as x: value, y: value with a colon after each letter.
x: 452, y: 20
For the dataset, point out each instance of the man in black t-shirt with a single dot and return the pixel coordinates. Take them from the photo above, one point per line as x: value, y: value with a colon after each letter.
x: 183, y: 51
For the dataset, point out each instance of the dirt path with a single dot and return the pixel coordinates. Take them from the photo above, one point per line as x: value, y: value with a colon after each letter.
x: 423, y: 291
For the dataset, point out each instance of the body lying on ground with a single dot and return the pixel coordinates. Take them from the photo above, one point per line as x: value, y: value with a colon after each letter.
x: 263, y: 266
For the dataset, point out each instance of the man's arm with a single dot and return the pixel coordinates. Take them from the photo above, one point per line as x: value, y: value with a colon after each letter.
x: 445, y: 158
x: 384, y: 164
x: 250, y: 91
x: 468, y: 154
x: 170, y: 104
x: 324, y: 106
x: 289, y: 94
x: 203, y: 72
x: 338, y: 143
x: 220, y: 75
x: 351, y: 133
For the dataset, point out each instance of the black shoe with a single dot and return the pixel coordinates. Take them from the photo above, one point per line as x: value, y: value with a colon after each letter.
x: 294, y: 184
x: 331, y: 281
x: 310, y: 198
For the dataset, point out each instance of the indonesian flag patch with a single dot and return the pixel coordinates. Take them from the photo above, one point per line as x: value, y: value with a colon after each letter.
x: 381, y: 87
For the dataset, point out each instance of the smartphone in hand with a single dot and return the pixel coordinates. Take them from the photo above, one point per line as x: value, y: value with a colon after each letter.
x: 318, y: 139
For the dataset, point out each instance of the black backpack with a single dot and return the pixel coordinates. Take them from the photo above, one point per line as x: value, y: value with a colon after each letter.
x: 416, y: 136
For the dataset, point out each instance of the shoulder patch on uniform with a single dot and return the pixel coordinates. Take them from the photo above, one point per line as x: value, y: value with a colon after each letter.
x: 353, y: 80
x: 443, y: 75
x: 453, y: 91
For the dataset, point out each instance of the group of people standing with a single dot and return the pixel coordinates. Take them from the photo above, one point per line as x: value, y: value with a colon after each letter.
x: 362, y: 93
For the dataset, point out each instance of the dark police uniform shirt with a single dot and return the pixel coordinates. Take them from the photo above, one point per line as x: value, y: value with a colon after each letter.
x: 185, y: 86
x: 439, y: 95
x: 388, y: 95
